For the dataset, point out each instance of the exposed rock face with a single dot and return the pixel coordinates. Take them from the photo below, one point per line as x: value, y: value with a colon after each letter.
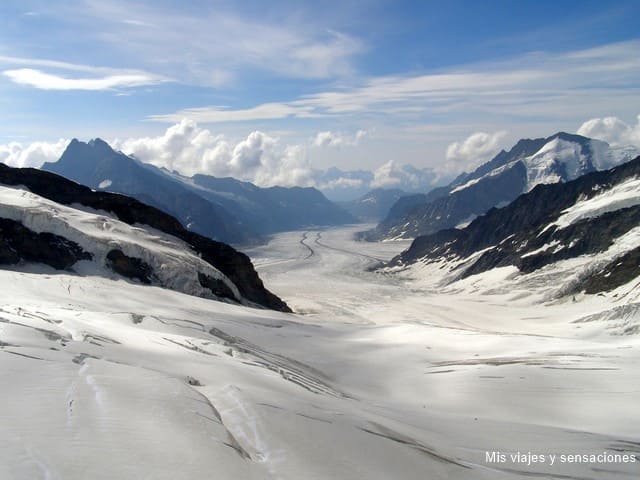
x: 235, y: 265
x: 129, y: 267
x: 18, y: 243
x: 217, y: 286
x: 560, y: 158
x: 618, y: 272
x: 524, y: 234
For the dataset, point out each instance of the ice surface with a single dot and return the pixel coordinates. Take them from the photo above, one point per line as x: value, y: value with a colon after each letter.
x: 379, y: 375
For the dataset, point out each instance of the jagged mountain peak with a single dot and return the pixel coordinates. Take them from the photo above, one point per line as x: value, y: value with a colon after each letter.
x: 594, y: 217
x: 95, y: 144
x: 99, y: 143
x: 560, y: 157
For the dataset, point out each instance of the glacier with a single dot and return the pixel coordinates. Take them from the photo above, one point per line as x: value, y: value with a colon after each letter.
x: 388, y: 373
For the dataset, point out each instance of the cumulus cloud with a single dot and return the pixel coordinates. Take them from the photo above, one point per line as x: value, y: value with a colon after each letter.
x: 612, y: 130
x: 405, y: 177
x: 34, y: 155
x: 260, y: 158
x: 189, y: 149
x: 332, y: 139
x: 264, y: 160
x: 474, y: 150
x: 343, y: 183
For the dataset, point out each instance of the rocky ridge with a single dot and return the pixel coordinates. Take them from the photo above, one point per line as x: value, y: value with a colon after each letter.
x: 235, y: 265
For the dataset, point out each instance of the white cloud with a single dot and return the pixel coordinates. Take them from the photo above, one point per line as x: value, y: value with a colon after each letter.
x: 34, y: 155
x: 405, y: 177
x: 102, y: 78
x: 46, y: 81
x: 184, y: 41
x: 564, y: 86
x: 40, y: 62
x: 214, y: 114
x: 189, y: 149
x: 332, y: 139
x: 259, y: 158
x: 343, y: 182
x: 473, y: 151
x: 325, y: 58
x: 612, y: 130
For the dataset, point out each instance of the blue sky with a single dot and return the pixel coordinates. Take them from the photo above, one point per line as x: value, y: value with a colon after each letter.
x: 351, y: 83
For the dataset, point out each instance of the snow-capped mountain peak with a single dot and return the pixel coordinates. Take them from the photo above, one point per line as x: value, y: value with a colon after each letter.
x: 582, y: 235
x: 559, y: 158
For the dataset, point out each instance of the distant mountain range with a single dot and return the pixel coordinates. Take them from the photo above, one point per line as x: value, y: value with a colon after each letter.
x: 47, y: 219
x: 594, y: 221
x: 559, y: 158
x: 221, y: 208
x: 374, y: 205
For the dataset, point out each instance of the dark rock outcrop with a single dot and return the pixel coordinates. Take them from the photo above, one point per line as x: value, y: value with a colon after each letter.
x: 622, y: 270
x: 216, y: 286
x: 130, y: 267
x: 21, y: 244
x: 235, y: 265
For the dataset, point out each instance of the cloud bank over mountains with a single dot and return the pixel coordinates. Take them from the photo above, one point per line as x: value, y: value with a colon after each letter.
x: 260, y: 158
x: 474, y: 150
x: 189, y: 149
x: 33, y: 155
x: 332, y: 139
x: 612, y: 130
x: 265, y: 160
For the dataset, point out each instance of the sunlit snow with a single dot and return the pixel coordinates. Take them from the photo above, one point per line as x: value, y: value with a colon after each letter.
x: 378, y: 376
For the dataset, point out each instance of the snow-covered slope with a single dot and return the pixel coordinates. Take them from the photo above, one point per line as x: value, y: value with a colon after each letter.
x: 590, y: 225
x: 157, y: 261
x: 399, y: 373
x: 559, y: 158
x: 384, y: 378
x: 172, y: 263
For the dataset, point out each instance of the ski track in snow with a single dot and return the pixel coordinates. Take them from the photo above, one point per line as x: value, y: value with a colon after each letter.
x: 379, y: 375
